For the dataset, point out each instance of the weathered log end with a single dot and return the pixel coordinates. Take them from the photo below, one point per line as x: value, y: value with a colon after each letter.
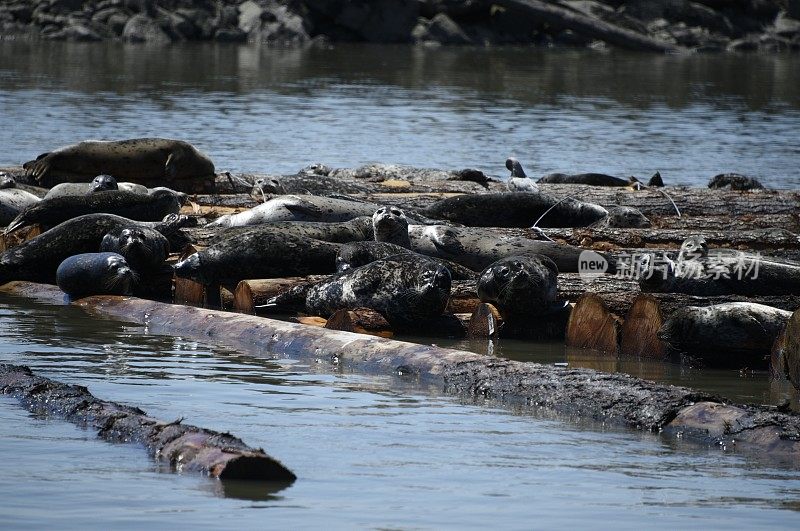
x: 592, y: 326
x: 312, y: 320
x: 791, y: 350
x: 360, y: 321
x: 243, y: 298
x: 485, y: 322
x: 256, y: 465
x: 189, y: 292
x: 638, y: 334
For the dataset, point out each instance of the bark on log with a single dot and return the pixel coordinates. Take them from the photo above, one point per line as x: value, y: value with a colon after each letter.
x: 185, y: 447
x: 251, y: 293
x: 609, y: 398
x: 591, y: 326
x: 590, y: 27
x: 791, y: 350
x: 360, y: 321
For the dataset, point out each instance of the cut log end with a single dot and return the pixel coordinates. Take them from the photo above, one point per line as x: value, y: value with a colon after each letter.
x: 592, y: 326
x: 791, y: 351
x: 638, y: 335
x: 485, y: 321
x: 243, y: 298
x: 189, y: 292
x: 256, y: 466
x: 360, y: 321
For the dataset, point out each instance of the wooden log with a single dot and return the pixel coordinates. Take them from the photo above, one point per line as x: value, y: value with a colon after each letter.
x: 638, y: 334
x: 609, y: 398
x: 485, y: 322
x: 588, y: 26
x: 185, y: 447
x: 250, y: 293
x: 592, y: 326
x: 778, y: 369
x: 791, y: 349
x: 360, y: 321
x: 790, y: 222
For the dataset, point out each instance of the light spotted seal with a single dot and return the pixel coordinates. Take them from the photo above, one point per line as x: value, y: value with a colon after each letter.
x: 407, y: 290
x: 12, y: 202
x: 521, y: 286
x: 95, y: 274
x: 101, y: 183
x: 354, y: 230
x: 141, y: 160
x: 51, y: 212
x: 519, y: 181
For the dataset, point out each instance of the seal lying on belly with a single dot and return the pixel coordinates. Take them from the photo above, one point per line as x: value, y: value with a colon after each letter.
x: 521, y: 286
x: 406, y: 289
x: 519, y: 209
x: 357, y: 254
x: 265, y: 254
x: 143, y: 248
x: 593, y: 179
x: 101, y: 183
x: 95, y: 274
x: 37, y: 259
x: 51, y: 212
x: 354, y: 230
x: 299, y: 208
x: 12, y: 202
x: 141, y: 160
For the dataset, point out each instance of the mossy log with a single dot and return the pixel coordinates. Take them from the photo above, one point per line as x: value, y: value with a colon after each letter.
x: 608, y: 398
x: 185, y: 447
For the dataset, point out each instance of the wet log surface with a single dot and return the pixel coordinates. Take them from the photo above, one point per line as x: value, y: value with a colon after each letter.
x: 609, y: 398
x: 186, y: 448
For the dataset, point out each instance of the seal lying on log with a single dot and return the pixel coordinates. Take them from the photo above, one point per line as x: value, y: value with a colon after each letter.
x: 261, y: 254
x: 354, y: 230
x: 406, y: 289
x: 521, y: 209
x: 519, y: 181
x: 145, y: 249
x: 101, y: 183
x: 520, y: 287
x: 592, y: 179
x: 38, y: 259
x: 299, y: 208
x: 13, y: 201
x: 357, y: 254
x: 735, y: 334
x: 95, y: 274
x: 466, y: 246
x: 734, y: 181
x: 51, y: 212
x: 141, y: 160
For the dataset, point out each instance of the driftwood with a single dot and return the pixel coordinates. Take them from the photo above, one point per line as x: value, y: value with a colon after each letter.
x: 250, y: 293
x: 587, y: 26
x: 184, y: 447
x: 755, y: 239
x: 360, y: 321
x: 609, y: 398
x: 790, y: 222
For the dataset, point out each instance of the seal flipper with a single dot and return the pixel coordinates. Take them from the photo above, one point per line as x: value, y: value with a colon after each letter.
x: 447, y: 242
x: 305, y: 209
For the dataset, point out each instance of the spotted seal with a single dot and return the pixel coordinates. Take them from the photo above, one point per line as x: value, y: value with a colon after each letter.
x: 521, y: 286
x: 734, y: 181
x: 406, y: 289
x: 101, y: 183
x: 520, y: 209
x: 95, y: 274
x: 51, y: 212
x: 265, y: 254
x: 354, y: 230
x: 141, y: 160
x: 266, y: 185
x: 519, y: 181
x: 357, y: 254
x: 143, y: 248
x: 13, y: 201
x: 622, y: 217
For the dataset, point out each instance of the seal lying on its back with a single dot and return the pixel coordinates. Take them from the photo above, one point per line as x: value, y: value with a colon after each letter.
x: 407, y: 290
x: 264, y: 254
x: 95, y: 274
x: 143, y: 248
x: 520, y: 286
x: 521, y: 209
x: 51, y: 212
x: 142, y: 160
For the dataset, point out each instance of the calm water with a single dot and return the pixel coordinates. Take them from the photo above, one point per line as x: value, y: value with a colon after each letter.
x: 275, y: 111
x: 368, y: 451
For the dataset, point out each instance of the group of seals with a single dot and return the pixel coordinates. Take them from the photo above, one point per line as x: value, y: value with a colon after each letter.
x: 141, y: 160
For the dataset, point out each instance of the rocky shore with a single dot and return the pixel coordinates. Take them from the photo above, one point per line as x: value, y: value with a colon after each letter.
x: 646, y: 25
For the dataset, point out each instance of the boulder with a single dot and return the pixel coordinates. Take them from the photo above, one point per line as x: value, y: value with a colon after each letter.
x: 440, y: 29
x: 142, y: 28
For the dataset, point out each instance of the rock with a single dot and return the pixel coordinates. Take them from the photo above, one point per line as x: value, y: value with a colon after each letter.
x: 141, y: 28
x: 785, y: 26
x: 440, y: 29
x: 178, y: 26
x: 283, y: 26
x: 793, y: 8
x: 201, y: 19
x: 250, y: 17
x: 116, y: 22
x: 75, y: 32
x: 21, y: 11
x: 65, y: 6
x: 455, y: 9
x: 748, y: 43
x: 230, y: 35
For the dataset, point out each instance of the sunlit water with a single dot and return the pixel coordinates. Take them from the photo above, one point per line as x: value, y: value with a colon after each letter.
x: 368, y: 450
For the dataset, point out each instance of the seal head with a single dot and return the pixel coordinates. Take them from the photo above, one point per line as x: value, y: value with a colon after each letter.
x: 102, y: 183
x: 95, y: 274
x: 520, y: 286
x: 144, y: 249
x: 390, y: 224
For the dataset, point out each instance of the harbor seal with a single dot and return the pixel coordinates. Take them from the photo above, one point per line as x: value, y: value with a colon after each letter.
x: 407, y: 290
x: 13, y: 201
x: 265, y: 254
x: 357, y: 254
x: 521, y: 286
x: 101, y: 183
x: 266, y: 185
x: 733, y: 334
x: 143, y: 248
x: 519, y: 181
x: 734, y: 181
x: 141, y: 160
x: 354, y: 230
x: 520, y: 209
x: 51, y: 212
x: 622, y: 217
x: 592, y: 179
x: 390, y: 224
x: 95, y: 274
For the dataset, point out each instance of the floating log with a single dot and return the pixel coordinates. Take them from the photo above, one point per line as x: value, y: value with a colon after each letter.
x: 485, y: 322
x: 791, y: 349
x: 609, y: 398
x: 592, y: 326
x: 184, y: 447
x: 360, y: 321
x: 638, y: 334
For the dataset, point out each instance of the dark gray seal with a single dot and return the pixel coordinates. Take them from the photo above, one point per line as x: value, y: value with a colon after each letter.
x: 36, y: 260
x: 143, y: 248
x: 357, y: 254
x: 521, y: 286
x: 51, y: 212
x: 101, y: 183
x: 519, y: 181
x: 734, y: 181
x: 390, y: 224
x: 142, y: 160
x: 95, y: 274
x: 354, y: 230
x: 592, y: 179
x: 623, y: 217
x: 407, y: 290
x: 265, y: 254
x: 520, y: 209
